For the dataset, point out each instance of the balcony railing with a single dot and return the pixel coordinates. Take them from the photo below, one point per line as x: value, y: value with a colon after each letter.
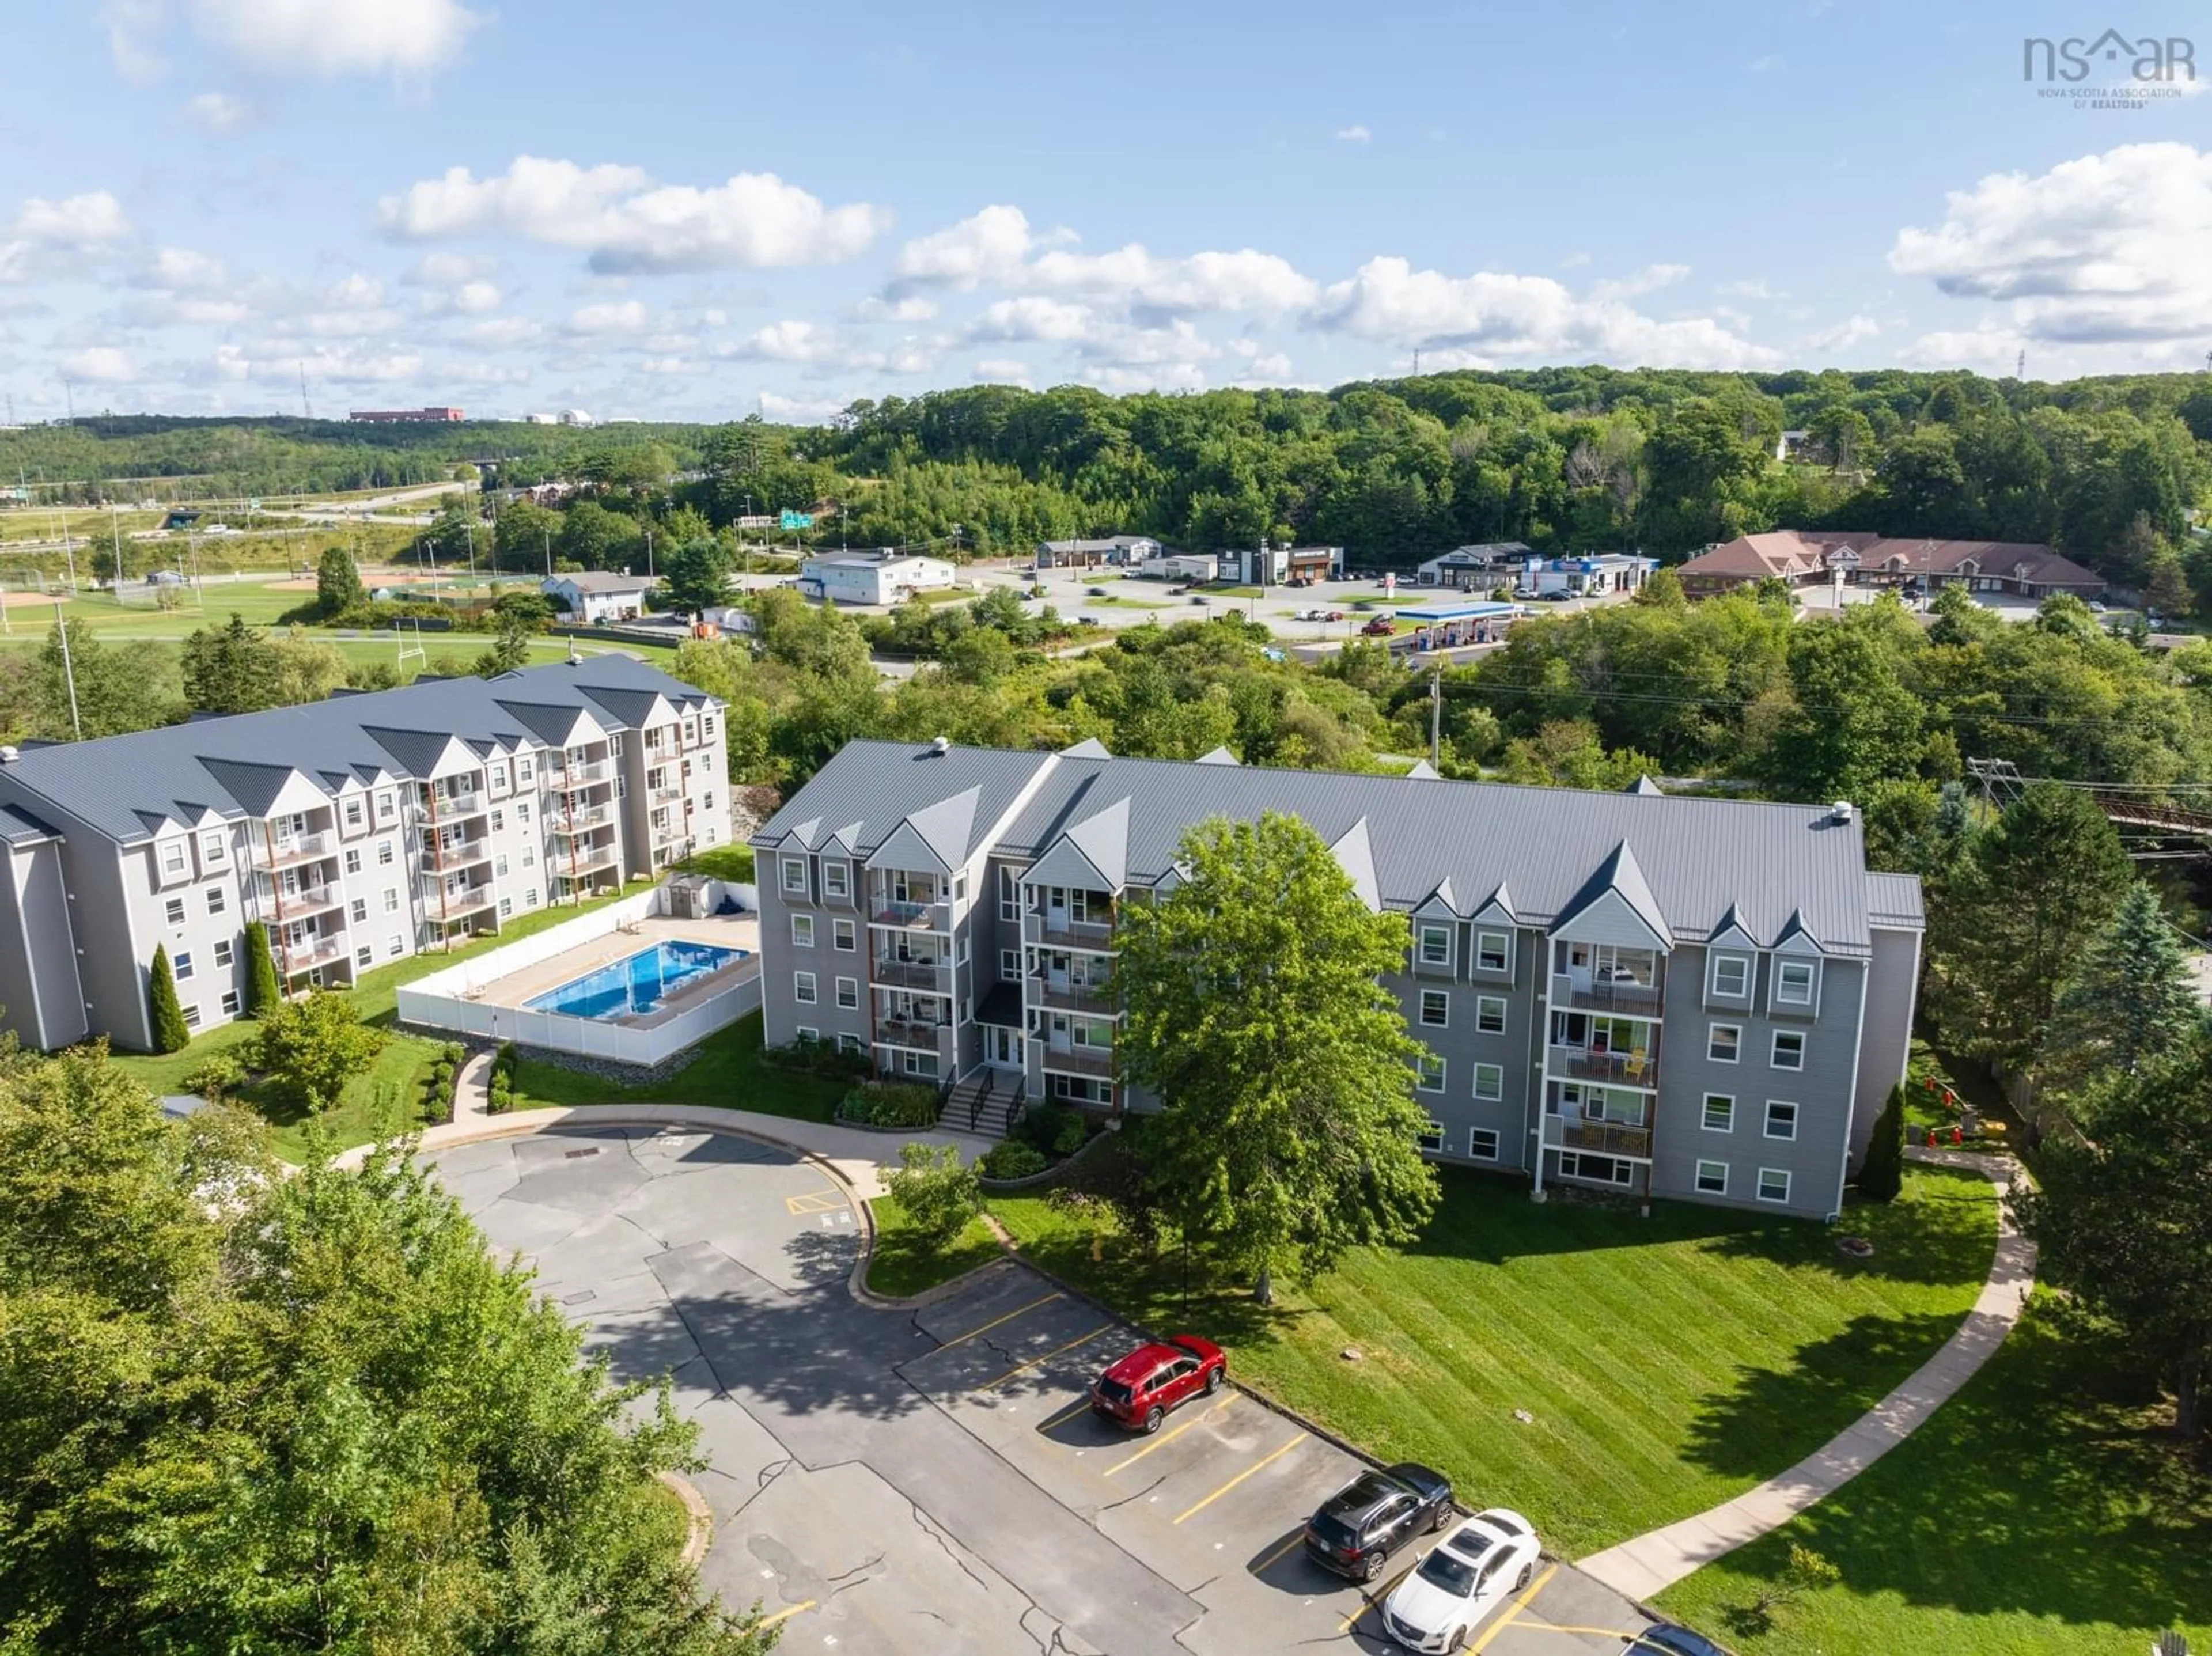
x: 1096, y: 998
x: 1621, y: 998
x: 578, y: 776
x: 298, y: 903
x: 663, y: 792
x: 1080, y: 1060
x: 1062, y: 932
x: 905, y: 1032
x: 913, y: 917
x: 579, y: 822
x: 1607, y: 1137
x: 470, y: 901
x: 462, y: 853
x: 306, y: 957
x: 300, y: 848
x: 453, y: 806
x: 587, y: 858
x: 1636, y: 1067
x: 931, y: 977
x: 673, y: 828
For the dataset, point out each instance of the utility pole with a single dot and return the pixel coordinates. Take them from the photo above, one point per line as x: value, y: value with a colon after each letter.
x: 549, y: 555
x: 1437, y: 715
x: 114, y: 544
x: 306, y: 409
x: 69, y: 672
x: 648, y: 555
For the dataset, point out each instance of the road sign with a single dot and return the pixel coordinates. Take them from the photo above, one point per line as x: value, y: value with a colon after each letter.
x: 795, y: 520
x: 759, y: 520
x: 254, y: 506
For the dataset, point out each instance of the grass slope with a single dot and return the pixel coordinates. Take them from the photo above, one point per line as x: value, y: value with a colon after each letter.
x: 899, y: 1267
x: 726, y: 1071
x: 1669, y: 1362
x: 2044, y: 1508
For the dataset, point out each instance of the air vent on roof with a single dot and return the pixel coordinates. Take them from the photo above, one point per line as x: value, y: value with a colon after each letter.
x: 1840, y: 812
x: 941, y: 744
x: 9, y: 756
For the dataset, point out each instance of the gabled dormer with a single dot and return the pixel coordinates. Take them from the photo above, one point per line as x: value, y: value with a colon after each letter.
x: 1615, y: 905
x: 1796, y: 965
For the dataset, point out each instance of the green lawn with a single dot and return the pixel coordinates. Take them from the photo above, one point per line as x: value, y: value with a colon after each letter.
x: 897, y: 1267
x: 731, y: 863
x: 726, y: 1071
x: 2042, y: 1509
x: 1669, y: 1362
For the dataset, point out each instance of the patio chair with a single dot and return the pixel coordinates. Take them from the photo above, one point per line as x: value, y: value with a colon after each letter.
x: 1636, y: 1062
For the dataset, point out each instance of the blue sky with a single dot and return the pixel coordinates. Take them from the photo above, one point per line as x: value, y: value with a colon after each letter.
x: 700, y: 211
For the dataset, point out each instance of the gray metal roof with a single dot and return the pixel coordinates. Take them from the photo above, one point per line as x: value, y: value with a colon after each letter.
x: 19, y: 827
x: 126, y: 786
x: 1894, y: 902
x: 599, y: 580
x: 1699, y: 856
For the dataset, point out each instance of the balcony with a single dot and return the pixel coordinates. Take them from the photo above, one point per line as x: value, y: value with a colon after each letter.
x: 579, y: 822
x: 317, y: 951
x: 454, y: 805
x: 930, y: 977
x: 1097, y: 998
x: 462, y: 853
x: 587, y: 858
x: 1081, y: 1061
x: 567, y: 777
x: 284, y: 853
x: 902, y: 1032
x: 1620, y: 996
x: 1605, y: 1138
x: 459, y: 905
x: 663, y: 792
x: 1056, y: 929
x: 1636, y: 1067
x: 671, y: 828
x: 913, y: 917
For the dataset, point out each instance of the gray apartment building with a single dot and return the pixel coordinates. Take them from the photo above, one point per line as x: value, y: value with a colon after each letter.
x: 359, y: 829
x: 1670, y: 996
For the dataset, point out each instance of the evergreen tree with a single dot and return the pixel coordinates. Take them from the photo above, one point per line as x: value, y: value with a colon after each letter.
x: 1881, y: 1174
x: 262, y: 990
x: 2129, y: 1000
x: 337, y: 583
x: 232, y: 670
x: 170, y: 1033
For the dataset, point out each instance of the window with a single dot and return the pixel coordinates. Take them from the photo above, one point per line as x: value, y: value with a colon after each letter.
x: 848, y: 1042
x: 848, y: 992
x: 1724, y: 1042
x: 362, y: 956
x: 918, y: 1063
x: 384, y: 853
x: 1794, y: 982
x: 499, y: 775
x: 356, y: 815
x: 1601, y: 1169
x: 391, y: 900
x: 1436, y: 1008
x: 229, y: 1003
x: 1788, y: 1049
x: 216, y: 901
x: 499, y: 867
x: 1431, y: 1136
x: 529, y: 858
x: 1781, y: 1119
x: 841, y: 936
x: 1482, y: 1143
x: 1010, y: 965
x: 1490, y: 1014
x: 837, y: 879
x: 525, y: 769
x: 498, y: 820
x: 173, y: 856
x: 802, y: 987
x: 1712, y: 1178
x: 1720, y: 1113
x: 529, y: 893
x: 175, y: 909
x: 794, y: 876
x: 211, y: 849
x: 1731, y: 979
x: 522, y: 811
x: 802, y: 931
x: 1492, y: 951
x: 805, y: 1034
x: 191, y: 1017
x: 1490, y: 1081
x: 384, y: 806
x: 353, y: 859
x: 506, y: 907
x: 1010, y: 895
x: 223, y: 951
x: 183, y: 964
x: 394, y: 946
x: 1773, y: 1184
x: 1429, y: 1073
x: 1436, y: 945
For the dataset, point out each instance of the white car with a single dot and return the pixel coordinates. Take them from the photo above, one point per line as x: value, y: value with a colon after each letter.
x: 1464, y: 1579
x: 1310, y: 615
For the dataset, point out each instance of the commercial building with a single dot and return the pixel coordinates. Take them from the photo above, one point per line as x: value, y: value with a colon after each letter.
x: 1679, y: 997
x: 1590, y: 575
x: 358, y: 830
x: 1855, y: 557
x: 593, y: 596
x: 405, y: 416
x: 1112, y: 549
x: 1285, y: 566
x: 1478, y: 567
x: 882, y: 578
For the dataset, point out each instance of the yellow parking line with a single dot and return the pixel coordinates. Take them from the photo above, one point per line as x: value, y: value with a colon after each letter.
x: 1041, y: 1299
x: 786, y: 1615
x: 1275, y: 1556
x: 1371, y: 1601
x: 1042, y: 1356
x: 814, y: 1201
x: 1068, y: 1413
x: 1519, y: 1604
x: 1191, y: 1512
x: 1166, y: 1438
x: 1552, y: 1626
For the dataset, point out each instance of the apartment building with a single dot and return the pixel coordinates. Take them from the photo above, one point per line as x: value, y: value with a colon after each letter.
x: 358, y: 830
x: 1678, y: 996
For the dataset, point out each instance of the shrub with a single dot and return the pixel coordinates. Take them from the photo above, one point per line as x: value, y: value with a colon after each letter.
x: 939, y: 1195
x: 455, y: 1054
x: 1055, y: 1130
x: 312, y: 1046
x: 891, y: 1104
x: 1881, y: 1174
x: 169, y: 1029
x: 262, y: 990
x: 499, y: 1100
x: 218, y: 1077
x: 1013, y: 1160
x: 819, y: 1058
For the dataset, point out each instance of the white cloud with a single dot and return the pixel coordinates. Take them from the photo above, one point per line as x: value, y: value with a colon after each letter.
x: 619, y: 317
x: 128, y: 23
x: 216, y: 112
x: 799, y: 410
x: 1767, y: 63
x: 1988, y: 349
x: 788, y: 341
x: 910, y: 307
x: 2105, y: 248
x: 626, y: 224
x: 473, y: 297
x: 337, y: 37
x: 1649, y: 279
x: 987, y: 247
x: 1844, y: 335
x: 50, y: 238
x: 102, y: 365
x: 1574, y: 261
x: 1033, y: 317
x: 1493, y: 315
x: 664, y: 365
x: 1353, y: 134
x: 1165, y: 376
x: 1001, y: 371
x: 1751, y: 290
x: 448, y: 270
x: 180, y: 269
x: 504, y: 332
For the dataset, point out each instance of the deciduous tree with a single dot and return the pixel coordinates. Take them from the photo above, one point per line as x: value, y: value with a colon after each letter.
x: 312, y: 1045
x: 937, y: 1194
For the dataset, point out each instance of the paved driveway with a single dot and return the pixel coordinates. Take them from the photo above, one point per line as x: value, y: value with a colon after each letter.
x: 898, y: 1482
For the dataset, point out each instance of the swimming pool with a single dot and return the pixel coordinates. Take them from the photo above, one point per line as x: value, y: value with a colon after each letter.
x: 636, y: 983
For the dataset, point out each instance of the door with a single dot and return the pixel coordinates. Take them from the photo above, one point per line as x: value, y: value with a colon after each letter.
x: 1177, y: 1381
x: 1390, y: 1525
x: 1002, y: 1048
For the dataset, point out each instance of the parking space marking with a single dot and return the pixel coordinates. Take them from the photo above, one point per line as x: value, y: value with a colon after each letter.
x: 1162, y: 1442
x: 1513, y: 1615
x: 786, y: 1615
x: 1555, y: 1627
x: 814, y: 1201
x: 1275, y: 1556
x: 1191, y: 1512
x: 1068, y: 1413
x: 1374, y: 1600
x: 1041, y: 1299
x: 1044, y: 1356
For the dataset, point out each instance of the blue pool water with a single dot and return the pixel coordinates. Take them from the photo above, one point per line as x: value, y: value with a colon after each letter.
x: 637, y: 983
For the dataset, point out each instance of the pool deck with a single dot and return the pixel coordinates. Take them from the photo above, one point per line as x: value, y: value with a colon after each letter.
x: 723, y: 930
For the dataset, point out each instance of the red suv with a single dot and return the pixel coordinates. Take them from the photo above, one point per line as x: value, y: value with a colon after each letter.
x: 1378, y: 627
x: 1139, y: 1390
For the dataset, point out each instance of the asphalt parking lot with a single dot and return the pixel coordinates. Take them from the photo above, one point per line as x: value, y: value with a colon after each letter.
x: 894, y: 1481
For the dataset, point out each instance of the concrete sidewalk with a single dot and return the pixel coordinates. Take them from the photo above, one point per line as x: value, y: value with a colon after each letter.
x: 1644, y: 1564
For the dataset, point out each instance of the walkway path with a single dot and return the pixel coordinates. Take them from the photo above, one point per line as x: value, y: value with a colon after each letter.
x: 1644, y: 1564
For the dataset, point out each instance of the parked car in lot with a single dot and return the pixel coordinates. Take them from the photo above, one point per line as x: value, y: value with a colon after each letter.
x: 1464, y: 1579
x: 1311, y: 615
x: 1140, y: 1389
x: 1198, y: 598
x: 1380, y: 627
x: 1359, y: 1526
x: 1672, y: 1639
x: 1557, y: 595
x: 1095, y: 591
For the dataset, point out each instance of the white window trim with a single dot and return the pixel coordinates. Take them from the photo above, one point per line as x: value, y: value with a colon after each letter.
x: 1697, y: 1179
x: 1496, y: 1142
x: 841, y: 887
x: 1713, y: 1058
x: 1713, y: 975
x: 1505, y: 937
x: 1426, y: 1064
x: 843, y: 985
x: 1767, y: 1125
x: 1421, y: 945
x: 1707, y: 1126
x: 802, y: 931
x: 1758, y: 1189
x: 1434, y: 1130
x: 848, y: 932
x: 1497, y: 1072
x: 791, y: 866
x: 1443, y: 997
x: 1484, y: 1002
x: 1774, y: 1052
x: 1776, y: 1000
x: 804, y: 989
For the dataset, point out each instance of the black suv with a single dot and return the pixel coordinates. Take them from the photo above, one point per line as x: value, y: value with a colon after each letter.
x: 1359, y: 1526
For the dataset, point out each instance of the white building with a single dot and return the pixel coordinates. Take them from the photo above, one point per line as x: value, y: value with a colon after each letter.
x: 1286, y: 566
x: 880, y: 578
x: 576, y: 417
x: 593, y: 596
x: 1181, y: 565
